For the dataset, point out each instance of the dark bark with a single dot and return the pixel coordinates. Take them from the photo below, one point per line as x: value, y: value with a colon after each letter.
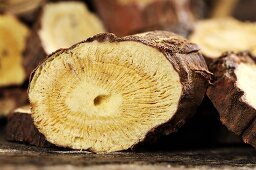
x: 235, y: 113
x: 20, y: 128
x: 131, y: 17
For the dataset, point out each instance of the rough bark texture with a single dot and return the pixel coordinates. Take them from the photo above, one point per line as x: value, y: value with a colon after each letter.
x: 11, y: 98
x: 129, y: 17
x: 189, y: 63
x: 235, y: 113
x: 186, y: 60
x: 20, y: 128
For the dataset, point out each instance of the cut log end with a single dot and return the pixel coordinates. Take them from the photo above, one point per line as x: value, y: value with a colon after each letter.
x: 12, y: 42
x: 60, y: 25
x: 66, y: 23
x: 216, y: 36
x: 20, y: 128
x: 109, y: 89
x: 233, y: 93
x: 113, y: 91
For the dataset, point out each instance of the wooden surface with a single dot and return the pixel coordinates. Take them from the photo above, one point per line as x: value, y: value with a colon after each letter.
x: 19, y: 156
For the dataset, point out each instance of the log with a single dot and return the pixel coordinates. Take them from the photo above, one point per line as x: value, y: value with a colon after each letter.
x: 232, y: 93
x: 108, y: 94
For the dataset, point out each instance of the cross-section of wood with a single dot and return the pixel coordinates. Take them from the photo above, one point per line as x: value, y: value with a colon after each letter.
x: 13, y: 35
x: 108, y: 93
x: 216, y: 36
x: 20, y: 128
x: 59, y: 25
x: 125, y: 17
x: 233, y: 94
